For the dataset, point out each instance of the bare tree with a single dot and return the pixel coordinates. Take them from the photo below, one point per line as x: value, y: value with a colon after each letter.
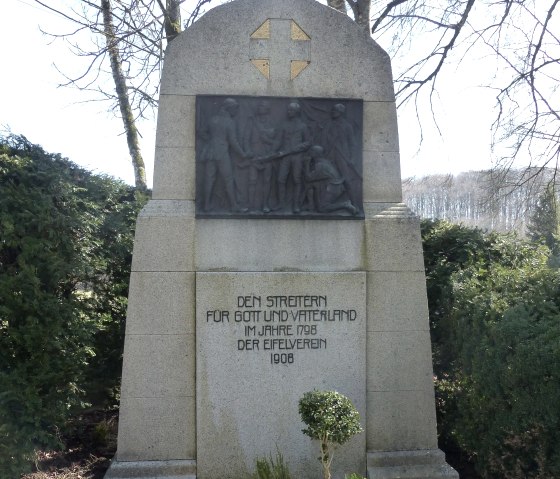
x: 123, y: 40
x: 360, y: 10
x: 463, y: 199
x: 339, y: 5
x: 521, y: 39
x: 121, y: 90
x: 172, y: 15
x: 427, y: 37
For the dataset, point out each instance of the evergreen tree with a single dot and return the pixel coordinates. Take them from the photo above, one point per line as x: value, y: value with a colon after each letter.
x: 495, y: 318
x: 65, y: 252
x: 544, y: 224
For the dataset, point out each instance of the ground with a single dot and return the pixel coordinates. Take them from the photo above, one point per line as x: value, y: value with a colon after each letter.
x: 92, y: 444
x: 88, y: 452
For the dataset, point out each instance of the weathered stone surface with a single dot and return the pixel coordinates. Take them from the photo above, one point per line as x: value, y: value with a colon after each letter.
x: 175, y: 127
x: 385, y: 185
x: 421, y: 464
x: 246, y: 403
x: 393, y: 241
x: 152, y: 470
x: 397, y: 301
x: 146, y: 365
x: 399, y: 360
x: 164, y: 238
x: 401, y: 420
x: 157, y: 429
x: 161, y: 302
x: 382, y: 131
x: 157, y: 420
x: 332, y: 56
x: 279, y: 245
x: 174, y: 174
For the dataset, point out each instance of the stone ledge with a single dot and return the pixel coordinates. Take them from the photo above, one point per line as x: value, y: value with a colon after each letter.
x: 152, y: 470
x: 423, y: 464
x: 389, y: 210
x: 173, y: 208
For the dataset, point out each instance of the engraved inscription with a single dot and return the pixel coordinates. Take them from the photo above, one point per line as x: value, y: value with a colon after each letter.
x: 269, y: 157
x: 276, y: 327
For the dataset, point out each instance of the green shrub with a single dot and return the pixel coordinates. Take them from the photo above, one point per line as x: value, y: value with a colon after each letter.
x: 332, y: 419
x: 270, y: 468
x: 495, y: 317
x: 508, y: 340
x: 65, y: 241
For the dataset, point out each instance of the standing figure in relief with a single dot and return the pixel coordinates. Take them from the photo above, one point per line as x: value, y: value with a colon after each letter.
x: 338, y: 140
x: 259, y: 143
x: 294, y: 138
x: 222, y: 138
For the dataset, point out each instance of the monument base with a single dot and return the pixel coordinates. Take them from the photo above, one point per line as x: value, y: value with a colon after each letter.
x: 423, y: 464
x: 151, y: 470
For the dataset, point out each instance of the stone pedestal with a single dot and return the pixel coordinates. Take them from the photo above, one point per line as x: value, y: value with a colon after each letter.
x: 429, y: 464
x: 202, y: 396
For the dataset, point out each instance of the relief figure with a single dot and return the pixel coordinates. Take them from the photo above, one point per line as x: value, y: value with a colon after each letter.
x: 294, y: 138
x: 324, y: 184
x: 338, y: 142
x: 259, y: 143
x: 221, y: 138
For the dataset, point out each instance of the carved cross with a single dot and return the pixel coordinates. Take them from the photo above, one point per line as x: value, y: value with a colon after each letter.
x: 280, y: 47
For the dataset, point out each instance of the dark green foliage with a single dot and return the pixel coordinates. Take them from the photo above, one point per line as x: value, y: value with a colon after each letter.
x: 498, y: 387
x: 544, y: 224
x: 65, y: 245
x: 331, y: 418
x: 508, y: 338
x: 329, y: 415
x: 119, y: 205
x: 447, y: 249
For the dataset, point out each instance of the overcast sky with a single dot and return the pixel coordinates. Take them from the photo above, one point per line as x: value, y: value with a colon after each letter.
x: 32, y: 104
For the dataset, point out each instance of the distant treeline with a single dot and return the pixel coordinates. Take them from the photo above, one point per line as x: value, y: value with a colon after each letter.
x: 499, y: 202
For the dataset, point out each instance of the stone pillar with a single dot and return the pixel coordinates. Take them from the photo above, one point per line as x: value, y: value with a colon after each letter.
x: 401, y: 417
x: 286, y: 49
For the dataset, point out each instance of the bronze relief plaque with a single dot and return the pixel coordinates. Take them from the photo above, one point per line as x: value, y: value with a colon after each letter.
x: 276, y: 157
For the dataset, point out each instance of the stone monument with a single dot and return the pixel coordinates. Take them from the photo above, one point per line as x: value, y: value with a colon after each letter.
x: 275, y: 257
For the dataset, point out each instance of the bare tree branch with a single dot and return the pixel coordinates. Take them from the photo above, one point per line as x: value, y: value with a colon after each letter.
x: 124, y: 41
x: 388, y: 9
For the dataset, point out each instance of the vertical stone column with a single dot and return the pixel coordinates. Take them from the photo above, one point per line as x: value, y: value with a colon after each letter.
x: 401, y: 419
x: 157, y: 424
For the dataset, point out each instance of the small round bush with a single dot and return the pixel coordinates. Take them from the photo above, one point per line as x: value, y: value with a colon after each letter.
x: 332, y: 419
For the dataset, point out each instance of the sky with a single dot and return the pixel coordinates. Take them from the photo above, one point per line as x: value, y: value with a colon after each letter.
x: 63, y: 120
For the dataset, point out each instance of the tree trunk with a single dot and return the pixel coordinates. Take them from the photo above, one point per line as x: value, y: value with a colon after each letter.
x: 337, y: 5
x: 172, y: 22
x: 361, y: 11
x: 122, y: 96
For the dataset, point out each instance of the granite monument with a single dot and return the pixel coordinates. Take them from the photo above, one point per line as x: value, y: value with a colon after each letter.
x: 275, y: 257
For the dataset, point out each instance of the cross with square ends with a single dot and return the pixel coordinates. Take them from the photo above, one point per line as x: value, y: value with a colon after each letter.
x: 280, y: 48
